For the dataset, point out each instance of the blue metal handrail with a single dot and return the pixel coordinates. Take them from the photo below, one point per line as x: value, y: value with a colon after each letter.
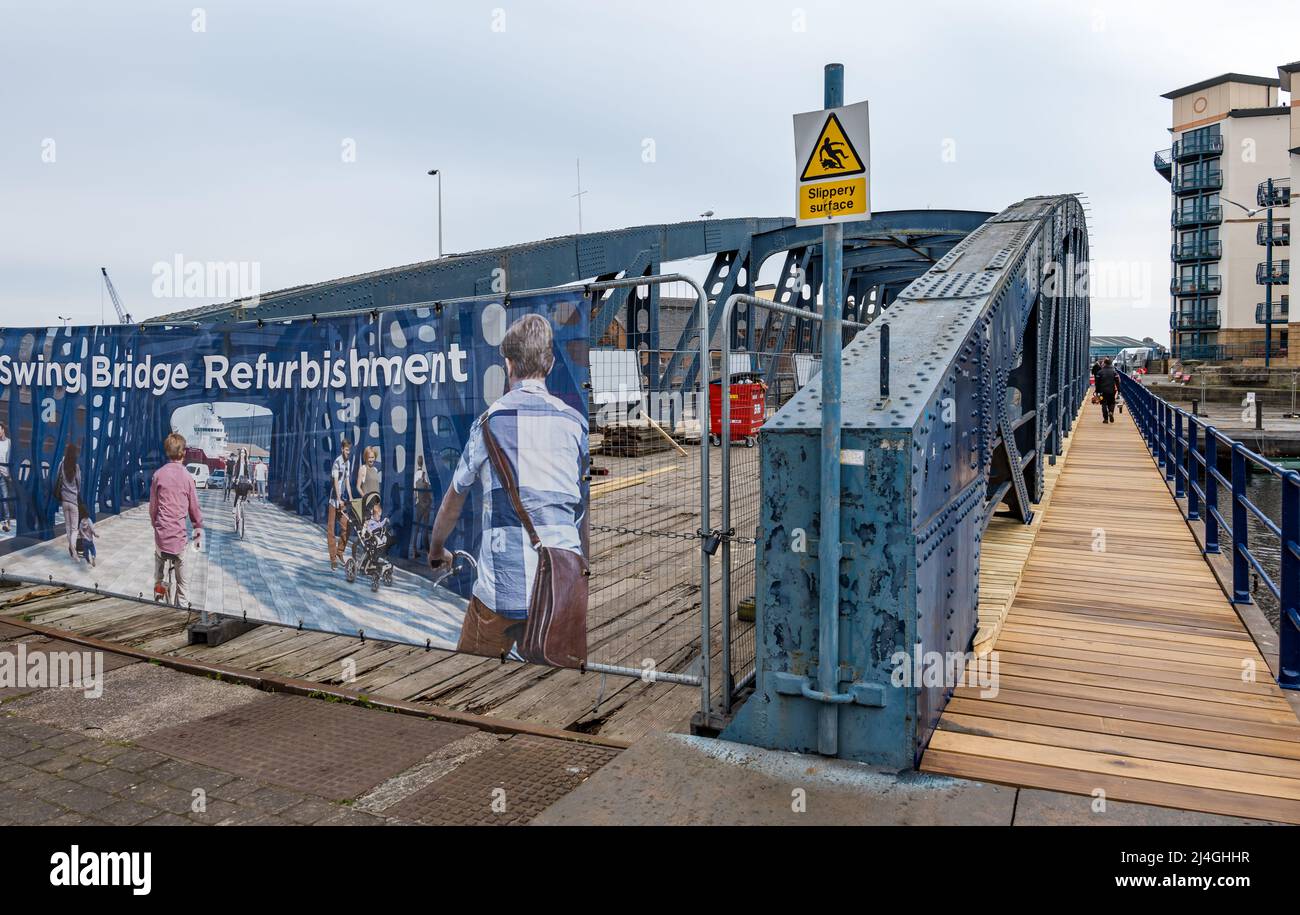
x: 1186, y: 448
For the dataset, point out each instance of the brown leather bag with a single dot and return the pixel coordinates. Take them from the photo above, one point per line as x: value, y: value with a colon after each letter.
x: 556, y: 630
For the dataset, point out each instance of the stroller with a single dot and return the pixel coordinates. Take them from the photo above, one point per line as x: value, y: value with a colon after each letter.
x: 373, y: 562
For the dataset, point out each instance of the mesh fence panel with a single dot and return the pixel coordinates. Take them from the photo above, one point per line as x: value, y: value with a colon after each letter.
x: 645, y: 511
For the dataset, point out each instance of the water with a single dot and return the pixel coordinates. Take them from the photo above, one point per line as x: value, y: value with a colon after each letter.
x: 1265, y: 491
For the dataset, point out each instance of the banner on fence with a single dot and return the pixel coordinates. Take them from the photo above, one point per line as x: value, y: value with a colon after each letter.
x: 416, y: 475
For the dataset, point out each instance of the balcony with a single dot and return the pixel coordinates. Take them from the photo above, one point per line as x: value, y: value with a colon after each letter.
x: 1204, y: 319
x: 1211, y: 180
x: 1281, y: 233
x: 1280, y: 196
x: 1164, y: 163
x: 1197, y: 216
x: 1281, y: 312
x: 1193, y: 146
x: 1207, y: 284
x: 1279, y: 276
x: 1204, y: 250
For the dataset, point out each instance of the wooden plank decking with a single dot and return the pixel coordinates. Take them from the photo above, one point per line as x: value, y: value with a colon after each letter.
x: 1004, y: 555
x: 1122, y: 666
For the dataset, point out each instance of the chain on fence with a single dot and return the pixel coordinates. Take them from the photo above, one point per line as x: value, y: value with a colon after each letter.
x: 644, y: 607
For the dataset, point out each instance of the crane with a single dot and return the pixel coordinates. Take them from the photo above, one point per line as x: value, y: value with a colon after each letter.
x: 123, y: 317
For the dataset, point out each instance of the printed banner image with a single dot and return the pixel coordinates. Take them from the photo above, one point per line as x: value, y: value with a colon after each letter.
x: 416, y: 476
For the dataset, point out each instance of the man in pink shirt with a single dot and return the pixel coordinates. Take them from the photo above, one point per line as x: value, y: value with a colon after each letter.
x: 173, y: 498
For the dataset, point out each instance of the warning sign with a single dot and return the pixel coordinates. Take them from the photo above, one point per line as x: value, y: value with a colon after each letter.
x: 829, y: 199
x: 833, y: 155
x: 831, y: 147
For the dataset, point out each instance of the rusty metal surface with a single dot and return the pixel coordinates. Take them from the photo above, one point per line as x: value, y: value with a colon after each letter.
x: 323, y: 748
x: 506, y: 786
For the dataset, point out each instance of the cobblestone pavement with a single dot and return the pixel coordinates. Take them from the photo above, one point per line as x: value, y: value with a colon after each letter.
x: 278, y: 573
x: 162, y: 747
x: 50, y: 776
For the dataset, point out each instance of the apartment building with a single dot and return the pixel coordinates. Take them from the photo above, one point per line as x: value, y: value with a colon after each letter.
x: 1230, y: 165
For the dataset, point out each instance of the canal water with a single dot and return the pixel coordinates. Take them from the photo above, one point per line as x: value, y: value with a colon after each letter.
x: 1265, y: 491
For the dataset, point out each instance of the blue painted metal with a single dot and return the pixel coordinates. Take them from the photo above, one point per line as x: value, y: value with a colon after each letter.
x: 533, y: 265
x: 1200, y: 477
x: 913, y: 509
x: 893, y: 248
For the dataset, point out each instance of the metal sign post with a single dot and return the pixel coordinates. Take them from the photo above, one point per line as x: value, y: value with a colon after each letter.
x: 832, y: 150
x: 828, y: 663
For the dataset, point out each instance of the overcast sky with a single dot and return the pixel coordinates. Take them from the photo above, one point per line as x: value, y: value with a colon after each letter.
x: 223, y: 132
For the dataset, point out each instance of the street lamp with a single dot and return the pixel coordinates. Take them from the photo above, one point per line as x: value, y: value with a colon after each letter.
x: 1268, y: 268
x: 706, y: 214
x: 438, y: 174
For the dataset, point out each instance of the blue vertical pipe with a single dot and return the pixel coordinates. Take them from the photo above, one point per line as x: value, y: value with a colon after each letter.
x: 828, y: 581
x: 1211, y: 490
x: 1180, y: 457
x: 1288, y: 668
x: 1240, y: 539
x: 1268, y: 289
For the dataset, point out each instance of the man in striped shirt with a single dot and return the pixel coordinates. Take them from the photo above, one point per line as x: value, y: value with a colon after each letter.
x: 545, y: 441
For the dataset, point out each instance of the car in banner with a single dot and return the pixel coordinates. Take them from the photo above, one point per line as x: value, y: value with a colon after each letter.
x: 200, y: 473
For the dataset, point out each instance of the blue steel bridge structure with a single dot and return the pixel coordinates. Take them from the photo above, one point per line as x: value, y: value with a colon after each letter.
x: 988, y: 366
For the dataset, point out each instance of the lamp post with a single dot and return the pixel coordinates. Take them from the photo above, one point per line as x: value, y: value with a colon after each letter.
x: 1268, y: 268
x: 438, y: 174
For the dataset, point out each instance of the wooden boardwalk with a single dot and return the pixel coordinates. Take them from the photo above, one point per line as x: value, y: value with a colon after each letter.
x: 1123, y: 668
x: 1004, y: 556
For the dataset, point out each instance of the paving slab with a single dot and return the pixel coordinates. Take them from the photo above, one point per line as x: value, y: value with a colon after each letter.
x: 678, y: 779
x: 507, y: 785
x: 136, y: 700
x: 54, y: 777
x: 38, y: 644
x: 327, y: 749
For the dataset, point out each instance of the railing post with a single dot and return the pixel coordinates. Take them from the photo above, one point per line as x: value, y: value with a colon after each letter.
x: 1153, y: 433
x: 1240, y: 538
x: 1171, y: 467
x: 1180, y: 467
x: 1161, y: 443
x: 1211, y: 490
x: 1288, y: 668
x: 1193, y: 472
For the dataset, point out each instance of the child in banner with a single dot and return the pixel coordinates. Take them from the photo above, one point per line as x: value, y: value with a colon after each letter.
x: 85, y: 535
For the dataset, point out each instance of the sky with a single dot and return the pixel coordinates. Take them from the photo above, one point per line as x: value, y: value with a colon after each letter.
x: 294, y: 138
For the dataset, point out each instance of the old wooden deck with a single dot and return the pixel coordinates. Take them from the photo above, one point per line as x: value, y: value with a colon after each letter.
x: 1123, y: 667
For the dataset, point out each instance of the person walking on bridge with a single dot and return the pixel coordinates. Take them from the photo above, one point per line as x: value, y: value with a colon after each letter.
x: 1107, y: 386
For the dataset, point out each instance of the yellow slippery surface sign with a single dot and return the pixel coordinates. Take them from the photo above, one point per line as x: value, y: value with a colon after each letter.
x: 833, y: 154
x: 833, y: 198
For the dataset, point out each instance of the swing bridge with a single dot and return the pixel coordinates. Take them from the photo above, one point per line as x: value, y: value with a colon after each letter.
x: 972, y: 482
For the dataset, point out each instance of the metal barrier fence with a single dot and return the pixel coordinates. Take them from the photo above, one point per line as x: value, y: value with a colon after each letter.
x: 1188, y: 450
x: 646, y: 523
x: 739, y: 516
x: 653, y: 503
